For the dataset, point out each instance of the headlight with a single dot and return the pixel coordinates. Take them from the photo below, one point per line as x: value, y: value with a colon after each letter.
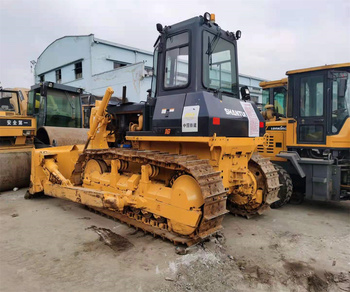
x: 207, y: 16
x: 28, y: 133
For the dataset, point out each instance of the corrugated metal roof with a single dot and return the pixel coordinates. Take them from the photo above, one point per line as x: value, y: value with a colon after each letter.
x: 101, y: 41
x: 122, y: 46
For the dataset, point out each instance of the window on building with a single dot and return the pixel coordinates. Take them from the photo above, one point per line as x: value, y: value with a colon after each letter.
x: 117, y: 64
x: 58, y: 76
x: 42, y: 78
x: 78, y: 70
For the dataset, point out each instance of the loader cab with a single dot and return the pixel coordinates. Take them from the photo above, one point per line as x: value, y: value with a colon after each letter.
x: 55, y: 105
x: 319, y: 100
x: 275, y: 93
x: 195, y: 88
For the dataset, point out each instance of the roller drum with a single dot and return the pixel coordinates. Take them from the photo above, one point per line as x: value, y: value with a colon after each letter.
x: 14, y: 169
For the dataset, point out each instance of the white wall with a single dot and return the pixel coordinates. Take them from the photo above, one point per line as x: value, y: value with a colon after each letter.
x: 63, y: 52
x: 103, y: 56
x: 130, y: 76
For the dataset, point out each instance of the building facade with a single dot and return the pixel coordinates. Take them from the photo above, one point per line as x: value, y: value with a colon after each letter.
x: 94, y: 64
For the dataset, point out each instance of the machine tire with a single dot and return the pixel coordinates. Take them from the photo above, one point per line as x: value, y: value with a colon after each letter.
x: 286, y: 189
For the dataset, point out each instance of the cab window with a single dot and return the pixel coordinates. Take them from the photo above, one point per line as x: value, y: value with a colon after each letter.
x: 63, y: 109
x: 340, y: 100
x: 311, y: 96
x: 265, y: 97
x: 219, y: 64
x: 280, y: 100
x: 177, y: 61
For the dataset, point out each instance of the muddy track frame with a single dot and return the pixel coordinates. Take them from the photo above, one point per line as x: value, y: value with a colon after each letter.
x: 210, y: 183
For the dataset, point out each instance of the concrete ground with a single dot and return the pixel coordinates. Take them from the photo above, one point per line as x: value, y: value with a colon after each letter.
x: 47, y: 244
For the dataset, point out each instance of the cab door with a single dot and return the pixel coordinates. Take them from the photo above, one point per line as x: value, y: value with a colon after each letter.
x: 37, y: 107
x: 310, y: 105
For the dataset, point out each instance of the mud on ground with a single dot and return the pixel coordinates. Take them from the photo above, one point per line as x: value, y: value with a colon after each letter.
x: 48, y: 244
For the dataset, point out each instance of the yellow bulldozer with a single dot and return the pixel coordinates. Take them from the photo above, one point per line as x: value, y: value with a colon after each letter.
x: 308, y: 132
x: 173, y: 165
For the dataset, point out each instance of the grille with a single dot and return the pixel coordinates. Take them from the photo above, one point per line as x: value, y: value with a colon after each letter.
x: 270, y: 143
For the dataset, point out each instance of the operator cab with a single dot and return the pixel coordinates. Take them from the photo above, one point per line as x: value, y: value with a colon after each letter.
x: 10, y: 102
x: 195, y: 87
x: 274, y: 93
x: 321, y: 105
x: 55, y: 105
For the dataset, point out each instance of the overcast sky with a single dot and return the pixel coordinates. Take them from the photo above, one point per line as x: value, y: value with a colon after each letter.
x: 277, y: 35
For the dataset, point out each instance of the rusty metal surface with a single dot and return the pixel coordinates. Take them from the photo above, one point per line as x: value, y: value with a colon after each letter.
x: 210, y: 182
x: 14, y: 169
x: 61, y: 136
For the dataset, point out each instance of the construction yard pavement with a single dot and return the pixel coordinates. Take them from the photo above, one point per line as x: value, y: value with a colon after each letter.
x: 48, y: 244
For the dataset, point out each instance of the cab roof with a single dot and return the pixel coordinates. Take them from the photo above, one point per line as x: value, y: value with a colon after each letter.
x: 274, y: 83
x: 325, y: 67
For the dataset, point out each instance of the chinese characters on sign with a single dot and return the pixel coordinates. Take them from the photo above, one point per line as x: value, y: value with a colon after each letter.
x: 190, y: 118
x: 15, y: 122
x: 252, y: 118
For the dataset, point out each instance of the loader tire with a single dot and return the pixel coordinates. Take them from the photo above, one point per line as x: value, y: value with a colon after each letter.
x: 286, y: 189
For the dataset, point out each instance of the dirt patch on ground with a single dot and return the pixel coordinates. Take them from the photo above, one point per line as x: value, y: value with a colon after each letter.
x: 208, y: 267
x: 113, y: 240
x: 48, y: 249
x: 314, y: 280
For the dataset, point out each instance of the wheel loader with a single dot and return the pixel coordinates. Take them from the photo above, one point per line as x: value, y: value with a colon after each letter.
x: 308, y: 137
x: 173, y: 165
x: 274, y: 102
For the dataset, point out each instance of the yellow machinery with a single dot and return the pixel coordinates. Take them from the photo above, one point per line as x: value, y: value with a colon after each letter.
x: 309, y: 135
x: 48, y: 114
x: 170, y: 165
x: 58, y: 112
x: 274, y: 102
x: 274, y: 94
x: 17, y: 132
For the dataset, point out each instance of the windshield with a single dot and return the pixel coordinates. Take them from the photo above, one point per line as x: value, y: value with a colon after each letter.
x: 219, y: 64
x: 9, y: 101
x: 340, y: 99
x: 63, y: 109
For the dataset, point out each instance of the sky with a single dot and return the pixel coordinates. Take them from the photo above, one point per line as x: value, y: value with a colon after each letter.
x: 277, y: 35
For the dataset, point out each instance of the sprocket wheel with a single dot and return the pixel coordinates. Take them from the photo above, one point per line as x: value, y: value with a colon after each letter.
x: 266, y: 178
